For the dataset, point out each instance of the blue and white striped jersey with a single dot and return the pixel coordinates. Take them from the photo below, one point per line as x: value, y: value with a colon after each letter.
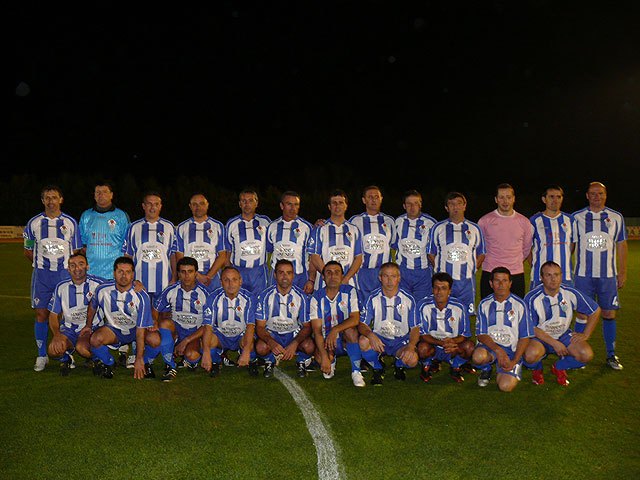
x: 186, y: 307
x: 456, y: 247
x: 124, y: 311
x: 450, y: 322
x: 552, y: 240
x: 333, y: 311
x: 412, y: 241
x: 283, y: 313
x: 247, y: 240
x: 70, y: 301
x: 378, y: 234
x: 341, y: 243
x: 391, y: 318
x: 596, y: 236
x: 201, y: 240
x: 52, y: 241
x: 151, y: 246
x: 103, y: 234
x: 554, y: 314
x: 288, y: 240
x: 505, y: 322
x: 230, y: 316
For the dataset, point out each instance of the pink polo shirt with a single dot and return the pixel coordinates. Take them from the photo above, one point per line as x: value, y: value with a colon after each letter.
x: 508, y: 240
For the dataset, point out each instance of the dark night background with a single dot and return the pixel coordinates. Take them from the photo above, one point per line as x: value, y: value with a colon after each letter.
x: 432, y: 95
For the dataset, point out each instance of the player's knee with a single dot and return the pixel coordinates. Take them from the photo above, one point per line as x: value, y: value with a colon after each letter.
x: 192, y: 355
x: 480, y: 356
x: 350, y: 335
x: 152, y: 339
x: 425, y: 350
x: 532, y: 355
x: 262, y: 348
x: 466, y: 348
x: 364, y: 343
x: 507, y: 384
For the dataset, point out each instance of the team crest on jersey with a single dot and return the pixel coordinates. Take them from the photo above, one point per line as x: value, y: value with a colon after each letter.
x: 423, y: 229
x: 384, y: 226
x: 64, y: 229
x: 564, y: 306
x: 342, y: 303
x: 292, y: 304
x: 400, y: 308
x: 210, y: 233
x: 511, y: 314
x: 468, y: 233
x: 297, y: 232
x: 90, y: 295
x: 112, y: 223
x: 564, y: 226
x: 608, y: 220
x: 197, y: 302
x: 349, y: 235
x: 160, y: 236
x: 260, y: 229
x: 452, y: 319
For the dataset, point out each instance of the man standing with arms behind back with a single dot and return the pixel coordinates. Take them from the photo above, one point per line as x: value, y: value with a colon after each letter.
x: 508, y: 236
x: 601, y: 262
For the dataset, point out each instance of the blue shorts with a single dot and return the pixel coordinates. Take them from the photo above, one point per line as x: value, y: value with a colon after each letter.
x: 465, y: 291
x: 603, y: 290
x: 442, y: 356
x: 565, y: 339
x: 43, y: 284
x: 283, y: 339
x: 516, y: 371
x: 367, y: 281
x: 416, y: 281
x: 182, y: 332
x: 70, y: 333
x: 254, y: 279
x: 228, y: 343
x: 122, y: 338
x: 391, y: 346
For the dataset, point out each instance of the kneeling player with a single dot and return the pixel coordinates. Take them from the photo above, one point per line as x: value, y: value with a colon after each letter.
x: 69, y: 305
x: 503, y: 330
x: 127, y: 317
x: 180, y: 309
x: 229, y: 324
x: 335, y: 314
x: 551, y: 306
x: 389, y: 326
x: 444, y: 330
x: 282, y: 322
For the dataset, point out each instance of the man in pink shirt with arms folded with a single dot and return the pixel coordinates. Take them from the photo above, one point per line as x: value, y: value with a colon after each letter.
x: 508, y: 238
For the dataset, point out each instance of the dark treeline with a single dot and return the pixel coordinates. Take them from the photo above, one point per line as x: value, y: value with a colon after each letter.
x: 20, y: 195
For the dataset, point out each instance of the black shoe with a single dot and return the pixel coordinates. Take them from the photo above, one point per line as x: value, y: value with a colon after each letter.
x: 435, y: 366
x: 456, y: 374
x: 426, y: 374
x: 468, y: 368
x: 377, y: 377
x: 98, y: 368
x: 312, y: 366
x: 384, y: 365
x: 484, y: 378
x: 107, y: 371
x: 169, y: 373
x: 302, y: 370
x: 253, y: 368
x: 65, y: 369
x: 364, y: 366
x: 148, y: 371
x: 122, y: 360
x: 268, y: 370
x: 215, y: 370
x: 226, y: 361
x: 261, y: 362
x: 399, y: 373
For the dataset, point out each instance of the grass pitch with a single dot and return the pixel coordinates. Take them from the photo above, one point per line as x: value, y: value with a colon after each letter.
x: 237, y: 427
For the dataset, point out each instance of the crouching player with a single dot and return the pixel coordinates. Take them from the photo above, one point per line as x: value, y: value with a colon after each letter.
x: 126, y: 314
x: 335, y: 314
x: 551, y: 306
x: 180, y: 309
x: 68, y: 313
x: 229, y: 324
x: 282, y: 322
x: 389, y: 326
x: 445, y: 330
x: 503, y: 330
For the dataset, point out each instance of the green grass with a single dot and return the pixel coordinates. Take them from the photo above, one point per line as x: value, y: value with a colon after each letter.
x: 250, y: 428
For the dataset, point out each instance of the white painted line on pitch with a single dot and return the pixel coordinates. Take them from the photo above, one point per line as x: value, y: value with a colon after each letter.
x: 15, y: 296
x: 327, y: 453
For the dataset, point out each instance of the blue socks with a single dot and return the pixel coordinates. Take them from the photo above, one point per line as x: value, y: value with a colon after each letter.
x: 41, y: 332
x: 609, y: 334
x: 355, y: 355
x: 568, y: 362
x: 166, y: 346
x: 371, y: 356
x: 103, y: 354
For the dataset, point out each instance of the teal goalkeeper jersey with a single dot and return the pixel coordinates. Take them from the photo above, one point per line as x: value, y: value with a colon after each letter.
x: 103, y: 234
